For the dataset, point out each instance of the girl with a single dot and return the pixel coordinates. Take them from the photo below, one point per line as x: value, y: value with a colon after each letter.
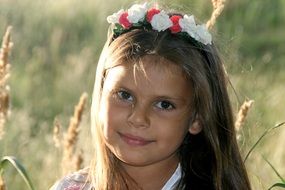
x: 161, y: 116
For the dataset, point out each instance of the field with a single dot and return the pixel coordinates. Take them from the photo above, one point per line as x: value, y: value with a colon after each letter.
x: 53, y: 61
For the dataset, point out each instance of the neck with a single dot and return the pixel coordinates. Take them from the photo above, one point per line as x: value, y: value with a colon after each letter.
x: 152, y: 176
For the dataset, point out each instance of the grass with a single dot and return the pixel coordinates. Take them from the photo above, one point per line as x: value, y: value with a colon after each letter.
x: 19, y: 167
x: 57, y: 44
x: 260, y: 138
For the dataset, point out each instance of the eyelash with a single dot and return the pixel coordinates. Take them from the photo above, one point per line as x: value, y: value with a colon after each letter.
x: 170, y: 106
x: 121, y: 94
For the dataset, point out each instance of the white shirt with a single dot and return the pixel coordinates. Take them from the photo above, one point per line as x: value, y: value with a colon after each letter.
x: 173, y: 180
x: 77, y: 181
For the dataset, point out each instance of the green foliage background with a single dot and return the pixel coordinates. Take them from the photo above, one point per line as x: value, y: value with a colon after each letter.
x: 56, y: 47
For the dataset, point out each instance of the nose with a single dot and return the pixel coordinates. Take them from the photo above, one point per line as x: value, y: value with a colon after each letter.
x: 139, y: 116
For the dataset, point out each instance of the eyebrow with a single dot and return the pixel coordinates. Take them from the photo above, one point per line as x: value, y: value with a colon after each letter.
x: 165, y: 97
x: 171, y: 98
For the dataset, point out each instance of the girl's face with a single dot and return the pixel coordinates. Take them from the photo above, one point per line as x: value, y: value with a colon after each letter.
x: 146, y: 114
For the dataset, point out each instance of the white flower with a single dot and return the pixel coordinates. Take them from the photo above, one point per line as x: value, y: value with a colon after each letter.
x: 114, y: 18
x: 161, y: 21
x: 137, y: 12
x: 187, y: 24
x: 203, y: 35
x: 198, y: 32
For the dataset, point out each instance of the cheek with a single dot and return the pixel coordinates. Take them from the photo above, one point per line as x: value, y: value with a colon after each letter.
x: 173, y: 140
x: 173, y: 133
x: 112, y: 116
x: 172, y: 129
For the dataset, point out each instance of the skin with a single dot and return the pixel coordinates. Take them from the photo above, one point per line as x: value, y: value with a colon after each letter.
x: 146, y: 115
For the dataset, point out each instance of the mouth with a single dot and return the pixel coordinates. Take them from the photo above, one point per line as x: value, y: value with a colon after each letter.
x: 134, y: 140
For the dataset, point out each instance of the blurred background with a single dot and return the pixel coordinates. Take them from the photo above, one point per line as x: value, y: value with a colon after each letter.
x: 53, y: 61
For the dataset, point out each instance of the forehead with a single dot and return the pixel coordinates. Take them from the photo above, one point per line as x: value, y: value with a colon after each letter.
x: 152, y: 74
x: 148, y: 62
x: 160, y: 64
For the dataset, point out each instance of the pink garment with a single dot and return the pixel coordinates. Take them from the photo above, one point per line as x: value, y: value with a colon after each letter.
x: 78, y: 181
x: 74, y: 181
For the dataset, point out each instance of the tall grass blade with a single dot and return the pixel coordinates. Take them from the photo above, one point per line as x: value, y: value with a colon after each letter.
x: 19, y: 167
x: 260, y: 138
x: 276, y: 172
x: 277, y: 185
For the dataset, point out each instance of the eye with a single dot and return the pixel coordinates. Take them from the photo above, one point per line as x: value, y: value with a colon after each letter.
x: 124, y: 95
x: 165, y: 105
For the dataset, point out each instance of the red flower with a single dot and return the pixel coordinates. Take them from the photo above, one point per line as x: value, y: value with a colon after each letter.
x: 151, y: 13
x: 123, y: 20
x: 175, y: 20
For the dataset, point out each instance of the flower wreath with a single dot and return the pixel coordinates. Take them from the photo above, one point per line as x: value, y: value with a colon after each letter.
x: 139, y: 16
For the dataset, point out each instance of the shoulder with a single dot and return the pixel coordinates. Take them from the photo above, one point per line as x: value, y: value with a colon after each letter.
x: 74, y: 181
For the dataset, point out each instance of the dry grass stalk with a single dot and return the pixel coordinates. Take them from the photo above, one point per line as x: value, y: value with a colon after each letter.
x: 243, y: 111
x: 218, y: 7
x: 215, y: 3
x: 2, y: 184
x: 78, y: 160
x: 56, y: 133
x: 70, y: 140
x: 4, y: 75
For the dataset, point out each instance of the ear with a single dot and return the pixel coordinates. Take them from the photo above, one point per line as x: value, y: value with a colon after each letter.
x: 195, y: 127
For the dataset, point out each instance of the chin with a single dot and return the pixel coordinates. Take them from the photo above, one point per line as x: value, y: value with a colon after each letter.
x: 133, y: 161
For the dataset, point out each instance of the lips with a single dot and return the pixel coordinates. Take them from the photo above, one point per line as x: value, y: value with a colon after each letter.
x: 134, y: 140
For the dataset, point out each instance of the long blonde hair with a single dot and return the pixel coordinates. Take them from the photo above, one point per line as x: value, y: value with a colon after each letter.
x: 210, y: 160
x: 105, y: 172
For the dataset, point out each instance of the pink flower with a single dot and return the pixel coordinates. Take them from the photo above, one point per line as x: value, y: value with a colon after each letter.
x: 114, y: 18
x: 123, y: 20
x: 175, y: 27
x: 151, y: 13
